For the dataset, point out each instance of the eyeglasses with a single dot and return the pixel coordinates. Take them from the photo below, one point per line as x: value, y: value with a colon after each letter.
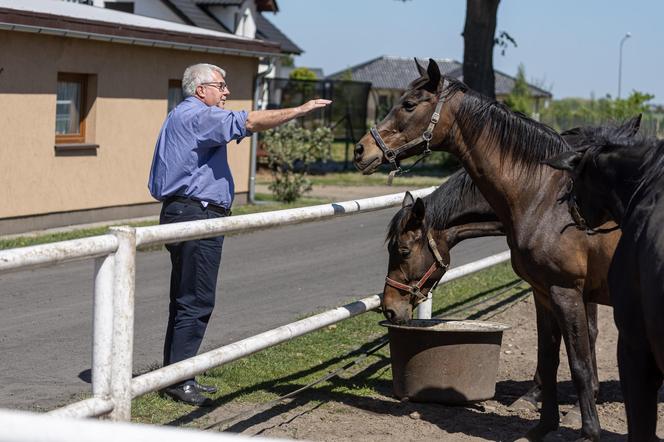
x: 218, y: 85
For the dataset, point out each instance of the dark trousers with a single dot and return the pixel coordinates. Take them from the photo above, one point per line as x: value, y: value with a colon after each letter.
x: 195, y: 266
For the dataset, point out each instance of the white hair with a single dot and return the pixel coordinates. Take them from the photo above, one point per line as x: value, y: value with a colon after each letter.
x: 197, y: 74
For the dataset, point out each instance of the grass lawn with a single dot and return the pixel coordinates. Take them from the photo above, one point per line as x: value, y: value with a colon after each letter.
x: 352, y: 178
x: 430, y: 172
x: 286, y: 367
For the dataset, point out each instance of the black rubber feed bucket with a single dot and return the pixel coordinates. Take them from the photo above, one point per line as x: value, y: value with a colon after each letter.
x: 446, y: 361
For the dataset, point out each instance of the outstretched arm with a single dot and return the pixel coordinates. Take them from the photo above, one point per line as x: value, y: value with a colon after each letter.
x: 261, y: 120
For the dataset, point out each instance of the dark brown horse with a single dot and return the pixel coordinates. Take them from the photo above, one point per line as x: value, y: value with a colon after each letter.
x: 421, y: 235
x: 455, y: 211
x: 622, y: 180
x: 502, y: 152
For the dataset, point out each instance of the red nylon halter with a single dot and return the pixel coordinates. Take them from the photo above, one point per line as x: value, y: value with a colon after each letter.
x: 415, y: 290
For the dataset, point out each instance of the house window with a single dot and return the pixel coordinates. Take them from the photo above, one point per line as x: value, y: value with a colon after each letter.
x: 174, y: 93
x: 70, y: 108
x: 120, y: 6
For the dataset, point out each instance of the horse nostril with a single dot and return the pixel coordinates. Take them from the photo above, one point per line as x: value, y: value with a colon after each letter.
x: 389, y: 314
x: 359, y: 149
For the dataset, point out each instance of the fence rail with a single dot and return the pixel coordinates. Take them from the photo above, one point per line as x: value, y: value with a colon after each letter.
x: 113, y: 318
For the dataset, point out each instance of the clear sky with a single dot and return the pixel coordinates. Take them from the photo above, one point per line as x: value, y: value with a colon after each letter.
x: 572, y: 47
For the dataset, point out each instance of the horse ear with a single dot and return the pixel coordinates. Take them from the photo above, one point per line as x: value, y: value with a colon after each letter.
x: 418, y: 210
x: 408, y: 200
x: 421, y: 69
x: 630, y: 127
x: 565, y: 161
x: 433, y: 72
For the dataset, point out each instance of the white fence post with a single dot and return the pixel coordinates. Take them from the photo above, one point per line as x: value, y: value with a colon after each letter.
x: 423, y: 311
x: 102, y: 325
x: 123, y: 322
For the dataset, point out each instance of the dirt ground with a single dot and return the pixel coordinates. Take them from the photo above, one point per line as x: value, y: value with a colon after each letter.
x: 384, y: 418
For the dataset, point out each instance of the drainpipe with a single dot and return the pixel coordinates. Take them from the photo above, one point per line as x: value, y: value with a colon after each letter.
x: 251, y: 197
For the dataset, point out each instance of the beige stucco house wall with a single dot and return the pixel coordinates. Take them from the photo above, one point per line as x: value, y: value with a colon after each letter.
x: 127, y: 96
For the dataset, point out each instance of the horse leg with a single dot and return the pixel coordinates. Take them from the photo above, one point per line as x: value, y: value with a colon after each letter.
x: 571, y: 315
x: 640, y: 380
x: 548, y: 358
x: 573, y: 417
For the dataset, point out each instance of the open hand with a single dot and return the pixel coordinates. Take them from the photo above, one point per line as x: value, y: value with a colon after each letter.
x: 313, y: 105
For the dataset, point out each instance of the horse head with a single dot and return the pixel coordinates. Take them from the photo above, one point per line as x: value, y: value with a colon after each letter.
x: 412, y: 126
x: 602, y: 157
x: 418, y: 258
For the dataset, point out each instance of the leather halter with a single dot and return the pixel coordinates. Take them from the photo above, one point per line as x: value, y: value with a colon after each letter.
x: 392, y: 154
x: 415, y: 290
x: 579, y: 221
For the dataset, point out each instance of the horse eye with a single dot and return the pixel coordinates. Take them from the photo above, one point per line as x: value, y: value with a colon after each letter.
x: 409, y: 105
x: 405, y: 253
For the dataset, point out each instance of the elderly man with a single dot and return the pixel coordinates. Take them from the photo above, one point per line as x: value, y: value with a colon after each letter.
x: 191, y: 176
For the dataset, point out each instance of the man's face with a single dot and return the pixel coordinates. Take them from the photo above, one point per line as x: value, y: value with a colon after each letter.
x: 214, y: 93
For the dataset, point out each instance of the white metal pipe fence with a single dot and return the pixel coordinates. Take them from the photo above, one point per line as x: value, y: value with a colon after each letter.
x: 22, y: 426
x: 114, y: 291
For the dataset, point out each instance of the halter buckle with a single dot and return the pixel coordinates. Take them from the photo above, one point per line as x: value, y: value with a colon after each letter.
x: 435, y: 117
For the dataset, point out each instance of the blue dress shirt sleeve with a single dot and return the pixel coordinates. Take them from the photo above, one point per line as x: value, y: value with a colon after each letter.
x: 218, y: 126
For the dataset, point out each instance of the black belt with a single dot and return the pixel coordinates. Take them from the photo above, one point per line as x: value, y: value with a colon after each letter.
x: 214, y: 207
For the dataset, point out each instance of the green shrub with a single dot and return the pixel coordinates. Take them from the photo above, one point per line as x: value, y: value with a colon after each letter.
x: 302, y: 73
x: 290, y: 151
x: 570, y: 112
x: 520, y: 99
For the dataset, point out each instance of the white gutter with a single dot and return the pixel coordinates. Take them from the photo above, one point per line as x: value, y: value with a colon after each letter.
x: 132, y: 40
x: 251, y: 195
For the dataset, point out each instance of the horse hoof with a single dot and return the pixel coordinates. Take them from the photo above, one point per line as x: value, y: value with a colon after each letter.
x: 522, y: 404
x: 573, y: 418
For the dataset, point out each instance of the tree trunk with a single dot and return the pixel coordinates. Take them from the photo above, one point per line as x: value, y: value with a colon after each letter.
x: 478, y: 38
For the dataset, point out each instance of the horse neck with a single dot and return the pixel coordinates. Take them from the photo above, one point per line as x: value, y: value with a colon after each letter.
x: 508, y: 188
x: 457, y: 202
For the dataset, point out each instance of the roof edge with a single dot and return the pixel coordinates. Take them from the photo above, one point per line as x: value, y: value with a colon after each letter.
x: 67, y: 26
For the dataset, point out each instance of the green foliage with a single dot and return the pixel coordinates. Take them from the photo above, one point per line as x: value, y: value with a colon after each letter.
x: 570, y: 112
x: 291, y: 149
x: 302, y: 74
x: 621, y: 109
x: 520, y: 99
x: 346, y: 75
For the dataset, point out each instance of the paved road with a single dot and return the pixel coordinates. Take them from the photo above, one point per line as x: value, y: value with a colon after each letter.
x: 268, y: 278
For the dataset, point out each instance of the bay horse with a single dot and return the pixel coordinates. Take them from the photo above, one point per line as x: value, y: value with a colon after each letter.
x: 502, y: 152
x: 422, y: 233
x: 622, y: 180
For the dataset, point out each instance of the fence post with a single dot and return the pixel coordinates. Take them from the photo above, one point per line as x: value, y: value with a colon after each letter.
x: 102, y: 326
x: 123, y: 322
x: 423, y: 310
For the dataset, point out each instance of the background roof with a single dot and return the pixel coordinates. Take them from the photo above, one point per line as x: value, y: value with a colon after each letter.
x: 387, y: 72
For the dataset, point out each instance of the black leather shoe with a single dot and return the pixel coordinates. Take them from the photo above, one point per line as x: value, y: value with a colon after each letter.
x: 189, y: 395
x: 205, y: 388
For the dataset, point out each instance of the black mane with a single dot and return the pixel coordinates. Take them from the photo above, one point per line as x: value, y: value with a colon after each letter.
x: 458, y: 191
x: 525, y: 140
x: 651, y: 169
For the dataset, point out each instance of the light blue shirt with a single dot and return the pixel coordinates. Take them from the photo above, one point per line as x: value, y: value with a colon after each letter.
x: 190, y: 158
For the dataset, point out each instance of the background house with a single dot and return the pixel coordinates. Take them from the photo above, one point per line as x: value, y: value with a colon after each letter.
x: 244, y: 18
x: 390, y: 76
x: 84, y: 91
